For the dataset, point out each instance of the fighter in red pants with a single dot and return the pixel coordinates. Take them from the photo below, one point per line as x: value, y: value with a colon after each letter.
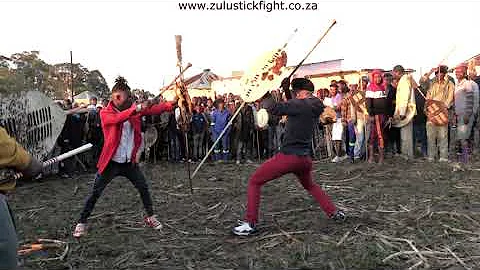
x: 294, y: 156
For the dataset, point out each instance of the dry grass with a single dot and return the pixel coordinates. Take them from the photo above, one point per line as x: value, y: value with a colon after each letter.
x: 400, y: 216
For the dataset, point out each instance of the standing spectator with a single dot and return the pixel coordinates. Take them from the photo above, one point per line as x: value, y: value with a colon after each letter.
x: 439, y: 89
x: 199, y: 129
x: 405, y: 95
x: 93, y: 103
x: 247, y: 127
x: 475, y: 134
x: 338, y: 129
x: 273, y: 120
x: 220, y: 118
x: 94, y: 132
x: 464, y: 109
x: 173, y: 140
x: 348, y: 111
x: 376, y: 99
x: 361, y: 135
x: 394, y: 132
x: 419, y: 123
x: 327, y: 101
x: 71, y: 137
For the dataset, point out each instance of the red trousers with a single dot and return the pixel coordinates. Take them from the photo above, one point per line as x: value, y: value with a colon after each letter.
x: 275, y: 167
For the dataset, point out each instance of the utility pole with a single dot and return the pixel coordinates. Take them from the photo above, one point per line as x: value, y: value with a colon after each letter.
x: 71, y: 73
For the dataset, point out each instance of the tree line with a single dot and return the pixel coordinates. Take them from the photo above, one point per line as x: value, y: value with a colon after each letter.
x: 27, y: 71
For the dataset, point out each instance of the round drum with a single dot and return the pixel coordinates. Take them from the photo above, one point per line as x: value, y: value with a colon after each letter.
x: 329, y: 116
x: 262, y: 118
x: 436, y: 112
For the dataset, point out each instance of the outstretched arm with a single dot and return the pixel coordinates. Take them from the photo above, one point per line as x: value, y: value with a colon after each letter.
x: 112, y: 118
x: 158, y: 109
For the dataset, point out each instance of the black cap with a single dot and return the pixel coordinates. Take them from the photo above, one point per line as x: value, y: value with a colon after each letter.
x: 443, y: 69
x: 398, y: 68
x: 302, y: 84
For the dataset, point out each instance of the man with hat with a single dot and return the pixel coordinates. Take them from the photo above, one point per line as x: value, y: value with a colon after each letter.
x: 405, y: 101
x: 439, y: 89
x: 294, y: 155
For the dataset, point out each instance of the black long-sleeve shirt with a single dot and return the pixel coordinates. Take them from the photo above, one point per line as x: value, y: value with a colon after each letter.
x: 377, y: 103
x: 302, y: 115
x: 391, y: 94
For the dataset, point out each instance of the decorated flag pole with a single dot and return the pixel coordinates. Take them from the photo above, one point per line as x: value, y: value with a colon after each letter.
x: 262, y: 74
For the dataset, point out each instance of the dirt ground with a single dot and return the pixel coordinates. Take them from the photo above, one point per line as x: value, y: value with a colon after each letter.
x: 400, y: 215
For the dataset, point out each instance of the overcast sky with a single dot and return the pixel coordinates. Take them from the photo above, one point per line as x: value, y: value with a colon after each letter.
x: 135, y: 39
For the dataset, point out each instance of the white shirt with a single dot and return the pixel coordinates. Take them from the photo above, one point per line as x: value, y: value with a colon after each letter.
x: 328, y: 102
x: 125, y: 148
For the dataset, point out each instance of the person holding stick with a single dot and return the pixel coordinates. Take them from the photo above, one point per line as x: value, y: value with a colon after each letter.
x: 12, y: 155
x: 121, y: 125
x: 294, y: 155
x: 443, y: 90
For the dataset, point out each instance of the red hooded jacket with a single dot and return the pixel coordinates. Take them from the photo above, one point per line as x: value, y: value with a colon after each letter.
x: 112, y: 120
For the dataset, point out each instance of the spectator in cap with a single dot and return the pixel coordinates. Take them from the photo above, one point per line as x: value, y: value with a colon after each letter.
x: 220, y: 118
x: 439, y: 89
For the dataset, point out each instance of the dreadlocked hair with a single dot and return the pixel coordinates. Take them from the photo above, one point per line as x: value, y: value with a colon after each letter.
x: 121, y: 85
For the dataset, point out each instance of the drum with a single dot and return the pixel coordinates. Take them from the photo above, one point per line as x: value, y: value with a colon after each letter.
x: 411, y: 110
x: 164, y: 119
x: 262, y: 118
x: 436, y: 112
x: 329, y: 116
x: 405, y: 97
x: 151, y: 136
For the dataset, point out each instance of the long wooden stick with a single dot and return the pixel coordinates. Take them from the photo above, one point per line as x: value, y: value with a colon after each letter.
x: 315, y: 46
x: 174, y: 80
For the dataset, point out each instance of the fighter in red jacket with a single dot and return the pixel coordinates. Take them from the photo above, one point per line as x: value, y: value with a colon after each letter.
x: 121, y: 125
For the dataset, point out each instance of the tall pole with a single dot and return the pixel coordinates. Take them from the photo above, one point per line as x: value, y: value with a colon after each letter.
x: 71, y: 73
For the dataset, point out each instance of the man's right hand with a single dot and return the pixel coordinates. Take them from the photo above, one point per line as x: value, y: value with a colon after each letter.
x: 33, y: 169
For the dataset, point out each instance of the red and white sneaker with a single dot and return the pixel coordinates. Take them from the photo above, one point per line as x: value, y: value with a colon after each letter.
x: 153, y: 222
x: 80, y: 230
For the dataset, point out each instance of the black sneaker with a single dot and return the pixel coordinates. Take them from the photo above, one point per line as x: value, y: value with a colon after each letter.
x: 244, y: 229
x: 339, y: 216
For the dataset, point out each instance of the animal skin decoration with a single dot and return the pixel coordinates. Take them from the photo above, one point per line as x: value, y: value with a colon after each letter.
x: 265, y: 74
x: 184, y: 100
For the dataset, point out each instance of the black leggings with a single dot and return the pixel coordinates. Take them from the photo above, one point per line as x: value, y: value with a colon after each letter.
x: 130, y: 171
